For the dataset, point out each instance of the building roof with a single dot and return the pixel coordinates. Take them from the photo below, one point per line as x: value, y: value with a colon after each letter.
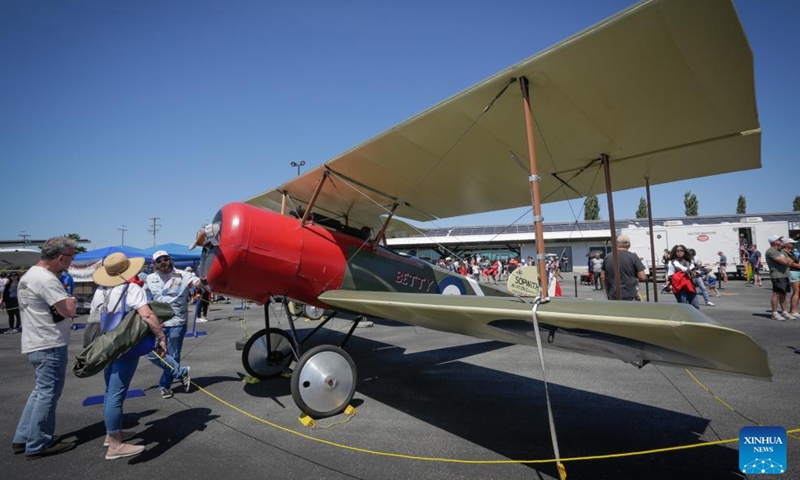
x: 592, y: 229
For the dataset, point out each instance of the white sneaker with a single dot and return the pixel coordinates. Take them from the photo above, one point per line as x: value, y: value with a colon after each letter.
x: 777, y: 316
x: 126, y: 435
x: 710, y: 304
x: 787, y: 315
x: 795, y: 316
x: 365, y: 323
x: 201, y: 320
x: 124, y: 450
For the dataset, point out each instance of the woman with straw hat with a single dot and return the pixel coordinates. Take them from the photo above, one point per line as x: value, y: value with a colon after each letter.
x: 117, y: 295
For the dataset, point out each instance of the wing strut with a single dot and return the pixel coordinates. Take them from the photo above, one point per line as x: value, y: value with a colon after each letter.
x: 612, y: 225
x: 385, y: 226
x: 314, y: 197
x: 652, y: 242
x: 534, y: 179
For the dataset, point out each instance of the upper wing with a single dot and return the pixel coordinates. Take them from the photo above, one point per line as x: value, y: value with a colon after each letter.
x: 637, y: 333
x: 665, y: 88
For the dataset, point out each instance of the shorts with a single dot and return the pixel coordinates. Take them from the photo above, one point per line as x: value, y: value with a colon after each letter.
x: 780, y: 285
x: 794, y: 276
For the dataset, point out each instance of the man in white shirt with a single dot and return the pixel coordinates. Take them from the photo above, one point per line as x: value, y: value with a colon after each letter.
x: 44, y: 305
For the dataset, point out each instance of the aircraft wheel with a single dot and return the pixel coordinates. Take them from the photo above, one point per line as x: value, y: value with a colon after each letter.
x: 314, y: 313
x: 262, y: 364
x: 324, y: 381
x: 295, y: 308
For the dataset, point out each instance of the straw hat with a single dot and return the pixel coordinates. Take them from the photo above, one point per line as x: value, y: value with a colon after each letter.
x: 117, y: 269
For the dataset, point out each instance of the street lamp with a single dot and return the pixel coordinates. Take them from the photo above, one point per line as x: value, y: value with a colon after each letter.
x: 298, y: 165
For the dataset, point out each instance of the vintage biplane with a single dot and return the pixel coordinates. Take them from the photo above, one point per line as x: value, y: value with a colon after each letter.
x: 660, y: 92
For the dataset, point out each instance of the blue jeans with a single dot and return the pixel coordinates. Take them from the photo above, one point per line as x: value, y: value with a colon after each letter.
x: 118, y: 377
x: 172, y: 370
x: 700, y: 286
x: 37, y: 424
x: 685, y: 296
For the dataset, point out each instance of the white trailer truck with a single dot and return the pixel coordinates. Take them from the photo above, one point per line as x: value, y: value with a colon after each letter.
x: 706, y: 240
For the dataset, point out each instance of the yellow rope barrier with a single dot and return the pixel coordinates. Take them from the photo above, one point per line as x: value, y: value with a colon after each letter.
x: 729, y: 407
x: 479, y: 462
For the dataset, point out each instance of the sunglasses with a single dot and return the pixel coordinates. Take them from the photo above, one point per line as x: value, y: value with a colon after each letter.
x: 162, y: 259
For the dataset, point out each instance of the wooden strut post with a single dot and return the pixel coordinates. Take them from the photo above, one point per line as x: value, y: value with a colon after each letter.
x: 283, y: 203
x: 612, y: 225
x: 534, y: 179
x: 314, y: 197
x: 380, y: 234
x: 653, y: 266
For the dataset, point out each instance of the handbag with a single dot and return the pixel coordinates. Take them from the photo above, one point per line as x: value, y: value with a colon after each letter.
x: 111, y: 321
x: 680, y: 281
x: 112, y: 344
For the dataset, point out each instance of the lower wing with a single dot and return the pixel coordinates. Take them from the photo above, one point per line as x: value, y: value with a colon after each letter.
x: 637, y: 333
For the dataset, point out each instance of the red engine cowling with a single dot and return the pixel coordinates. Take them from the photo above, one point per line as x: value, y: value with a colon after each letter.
x: 262, y: 253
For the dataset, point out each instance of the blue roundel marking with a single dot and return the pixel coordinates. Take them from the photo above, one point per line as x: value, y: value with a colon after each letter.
x: 452, y: 286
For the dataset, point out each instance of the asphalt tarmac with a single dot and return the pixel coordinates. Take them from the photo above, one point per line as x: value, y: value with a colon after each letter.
x: 429, y: 405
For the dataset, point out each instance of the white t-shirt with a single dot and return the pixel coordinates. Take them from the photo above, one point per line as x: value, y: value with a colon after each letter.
x: 135, y: 299
x: 40, y: 289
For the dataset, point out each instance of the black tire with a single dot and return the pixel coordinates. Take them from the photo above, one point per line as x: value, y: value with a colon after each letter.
x: 262, y: 364
x: 324, y: 381
x: 313, y: 313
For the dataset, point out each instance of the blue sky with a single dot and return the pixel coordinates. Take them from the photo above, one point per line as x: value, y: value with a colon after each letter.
x: 115, y: 112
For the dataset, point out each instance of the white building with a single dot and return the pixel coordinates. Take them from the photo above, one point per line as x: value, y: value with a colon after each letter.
x: 706, y: 234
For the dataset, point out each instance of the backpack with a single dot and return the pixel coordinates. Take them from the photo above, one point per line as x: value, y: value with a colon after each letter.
x: 114, y: 343
x: 110, y: 321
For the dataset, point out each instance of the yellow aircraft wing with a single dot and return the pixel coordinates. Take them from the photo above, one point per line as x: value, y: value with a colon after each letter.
x: 637, y: 333
x: 665, y: 88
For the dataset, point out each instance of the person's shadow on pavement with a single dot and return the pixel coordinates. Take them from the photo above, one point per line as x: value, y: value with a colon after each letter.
x: 166, y: 432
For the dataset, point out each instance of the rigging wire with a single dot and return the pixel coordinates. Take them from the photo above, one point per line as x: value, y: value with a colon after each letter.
x: 511, y: 81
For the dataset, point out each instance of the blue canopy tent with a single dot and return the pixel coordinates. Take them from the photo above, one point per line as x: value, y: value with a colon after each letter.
x: 101, y: 253
x: 181, y: 255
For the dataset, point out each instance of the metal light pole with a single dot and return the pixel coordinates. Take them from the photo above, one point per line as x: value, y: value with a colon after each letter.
x: 298, y: 165
x: 123, y: 229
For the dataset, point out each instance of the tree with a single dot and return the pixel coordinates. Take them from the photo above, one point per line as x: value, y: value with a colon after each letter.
x: 74, y: 236
x: 591, y: 208
x: 741, y: 205
x: 796, y: 204
x: 641, y: 212
x: 690, y: 203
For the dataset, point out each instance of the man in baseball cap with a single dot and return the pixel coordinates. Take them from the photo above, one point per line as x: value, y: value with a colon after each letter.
x: 170, y: 285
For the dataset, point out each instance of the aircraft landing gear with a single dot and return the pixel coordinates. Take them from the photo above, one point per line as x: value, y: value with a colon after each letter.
x: 324, y: 381
x: 265, y: 358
